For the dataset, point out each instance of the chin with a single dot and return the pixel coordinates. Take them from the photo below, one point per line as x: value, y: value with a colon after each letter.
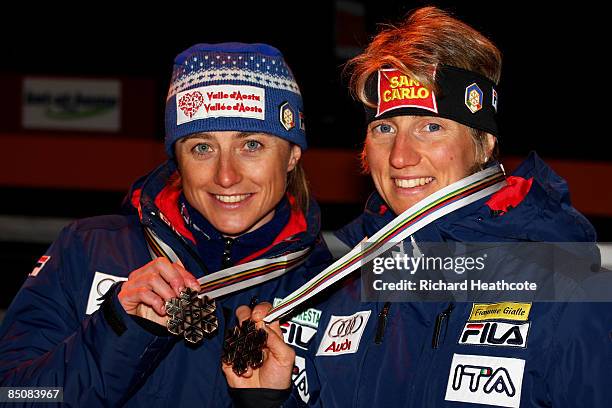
x: 232, y: 227
x: 400, y: 206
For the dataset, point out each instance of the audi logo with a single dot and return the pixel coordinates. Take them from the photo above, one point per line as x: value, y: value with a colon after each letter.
x: 345, y: 327
x: 104, y: 285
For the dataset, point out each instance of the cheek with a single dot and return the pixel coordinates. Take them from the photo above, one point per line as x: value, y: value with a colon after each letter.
x: 270, y: 175
x: 195, y: 176
x: 377, y: 158
x: 453, y: 160
x: 192, y: 184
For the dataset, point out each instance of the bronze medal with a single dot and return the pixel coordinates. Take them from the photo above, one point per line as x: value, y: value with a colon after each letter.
x: 243, y: 347
x: 191, y: 316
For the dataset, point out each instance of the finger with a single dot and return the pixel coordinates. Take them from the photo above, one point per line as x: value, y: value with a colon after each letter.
x: 146, y: 268
x: 149, y: 298
x: 171, y: 275
x: 248, y: 373
x: 277, y: 347
x: 242, y: 313
x: 260, y: 311
x: 161, y: 287
x: 227, y: 369
x: 232, y: 379
x: 188, y: 278
x: 275, y: 327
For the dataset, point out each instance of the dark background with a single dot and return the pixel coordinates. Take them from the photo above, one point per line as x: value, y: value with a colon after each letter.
x: 552, y: 79
x: 551, y: 92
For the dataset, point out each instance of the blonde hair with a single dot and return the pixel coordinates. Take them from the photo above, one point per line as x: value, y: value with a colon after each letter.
x: 297, y: 186
x: 427, y: 37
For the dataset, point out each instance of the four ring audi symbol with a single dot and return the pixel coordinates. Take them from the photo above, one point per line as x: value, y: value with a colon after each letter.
x: 104, y: 285
x: 345, y: 327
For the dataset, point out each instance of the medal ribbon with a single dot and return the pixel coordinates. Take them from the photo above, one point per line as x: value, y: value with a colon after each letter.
x: 440, y: 203
x: 237, y: 277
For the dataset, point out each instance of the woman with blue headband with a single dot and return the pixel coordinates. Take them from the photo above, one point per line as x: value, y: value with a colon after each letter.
x: 112, y: 314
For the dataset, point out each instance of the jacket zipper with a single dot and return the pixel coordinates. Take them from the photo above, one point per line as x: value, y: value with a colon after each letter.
x: 382, y: 323
x: 441, y: 318
x: 226, y: 258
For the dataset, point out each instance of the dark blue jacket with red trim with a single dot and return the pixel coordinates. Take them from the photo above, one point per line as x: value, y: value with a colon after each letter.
x: 54, y: 334
x: 417, y: 354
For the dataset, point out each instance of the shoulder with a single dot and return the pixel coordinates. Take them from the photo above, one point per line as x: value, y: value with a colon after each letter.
x: 102, y: 243
x: 103, y: 223
x: 109, y: 227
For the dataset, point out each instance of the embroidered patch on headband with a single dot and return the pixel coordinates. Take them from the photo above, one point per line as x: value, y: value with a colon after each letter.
x: 473, y: 98
x: 214, y: 101
x: 396, y: 90
x: 463, y: 96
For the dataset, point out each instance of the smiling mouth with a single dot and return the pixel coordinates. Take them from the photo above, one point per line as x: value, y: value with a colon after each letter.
x: 233, y: 198
x: 411, y: 183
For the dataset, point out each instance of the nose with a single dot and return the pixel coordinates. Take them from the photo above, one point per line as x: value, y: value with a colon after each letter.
x: 227, y: 172
x: 404, y: 152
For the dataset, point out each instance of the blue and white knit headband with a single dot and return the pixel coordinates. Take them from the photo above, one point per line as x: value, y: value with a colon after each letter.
x: 236, y: 87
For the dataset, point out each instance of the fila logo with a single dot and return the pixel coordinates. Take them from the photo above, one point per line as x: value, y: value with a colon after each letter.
x: 495, y: 334
x: 343, y: 334
x: 485, y: 380
x: 297, y: 335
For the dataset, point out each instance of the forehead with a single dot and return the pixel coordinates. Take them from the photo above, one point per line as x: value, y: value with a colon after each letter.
x: 409, y: 120
x: 225, y: 135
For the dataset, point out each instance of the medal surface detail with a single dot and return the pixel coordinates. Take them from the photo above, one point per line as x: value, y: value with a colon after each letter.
x: 243, y: 347
x: 191, y: 316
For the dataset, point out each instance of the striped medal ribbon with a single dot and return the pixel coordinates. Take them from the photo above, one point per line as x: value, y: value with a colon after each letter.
x: 237, y: 277
x: 193, y: 314
x: 440, y: 203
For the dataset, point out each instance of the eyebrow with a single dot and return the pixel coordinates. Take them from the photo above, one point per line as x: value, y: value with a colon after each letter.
x: 208, y: 136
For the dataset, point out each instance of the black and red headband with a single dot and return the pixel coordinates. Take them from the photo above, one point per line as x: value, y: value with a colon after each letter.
x: 463, y: 96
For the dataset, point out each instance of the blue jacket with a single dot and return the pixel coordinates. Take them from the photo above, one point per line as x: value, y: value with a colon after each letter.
x: 54, y: 334
x: 434, y: 354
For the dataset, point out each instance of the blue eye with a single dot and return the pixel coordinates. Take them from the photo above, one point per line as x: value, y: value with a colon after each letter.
x: 384, y: 128
x: 201, y: 148
x: 252, y: 145
x: 432, y: 127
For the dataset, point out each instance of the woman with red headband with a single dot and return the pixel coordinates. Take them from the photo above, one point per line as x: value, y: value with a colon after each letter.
x: 430, y: 89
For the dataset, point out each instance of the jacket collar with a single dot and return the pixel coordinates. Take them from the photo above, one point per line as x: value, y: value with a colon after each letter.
x: 537, y: 203
x: 157, y: 195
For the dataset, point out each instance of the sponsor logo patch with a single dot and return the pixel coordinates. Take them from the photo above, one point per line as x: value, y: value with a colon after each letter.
x: 214, y: 101
x: 396, y: 90
x: 302, y: 123
x: 473, y: 98
x: 494, y: 99
x: 309, y: 317
x: 495, y: 334
x: 487, y: 380
x: 100, y: 285
x: 504, y: 310
x: 40, y: 264
x: 286, y: 116
x: 343, y: 334
x: 300, y: 379
x: 297, y: 335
